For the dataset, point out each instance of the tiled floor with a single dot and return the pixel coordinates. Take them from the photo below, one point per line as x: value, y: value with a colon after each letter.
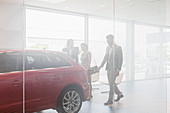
x: 148, y: 96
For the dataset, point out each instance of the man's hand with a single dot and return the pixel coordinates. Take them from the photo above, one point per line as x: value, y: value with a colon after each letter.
x: 117, y: 73
x: 99, y: 68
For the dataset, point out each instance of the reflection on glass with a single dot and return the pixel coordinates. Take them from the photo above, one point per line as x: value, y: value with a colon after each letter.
x: 120, y: 39
x: 166, y: 39
x: 147, y: 52
x: 98, y: 29
x: 50, y: 31
x: 11, y: 62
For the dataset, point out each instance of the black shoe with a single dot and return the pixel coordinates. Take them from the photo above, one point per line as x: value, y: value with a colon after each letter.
x: 119, y: 97
x: 108, y: 103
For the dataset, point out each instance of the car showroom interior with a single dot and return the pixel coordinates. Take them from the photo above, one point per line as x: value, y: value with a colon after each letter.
x: 84, y: 56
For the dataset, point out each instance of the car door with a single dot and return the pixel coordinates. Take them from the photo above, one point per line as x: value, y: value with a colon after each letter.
x: 48, y: 78
x: 11, y: 79
x: 39, y: 77
x: 51, y: 74
x: 32, y: 83
x: 52, y: 79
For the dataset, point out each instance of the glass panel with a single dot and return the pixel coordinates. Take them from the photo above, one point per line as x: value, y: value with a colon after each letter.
x: 147, y: 52
x: 120, y: 34
x: 166, y: 36
x: 98, y: 29
x: 48, y: 30
x: 11, y: 56
x: 52, y: 30
x: 145, y: 55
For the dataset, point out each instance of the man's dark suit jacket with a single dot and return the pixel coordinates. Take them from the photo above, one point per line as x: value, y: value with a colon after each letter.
x: 74, y: 54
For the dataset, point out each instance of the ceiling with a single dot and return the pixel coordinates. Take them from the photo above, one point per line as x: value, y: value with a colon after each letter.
x: 147, y: 11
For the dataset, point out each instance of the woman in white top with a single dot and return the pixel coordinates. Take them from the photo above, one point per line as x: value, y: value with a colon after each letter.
x: 85, y: 61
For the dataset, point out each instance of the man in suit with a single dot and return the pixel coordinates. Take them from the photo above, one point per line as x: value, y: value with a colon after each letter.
x: 71, y: 50
x: 113, y: 59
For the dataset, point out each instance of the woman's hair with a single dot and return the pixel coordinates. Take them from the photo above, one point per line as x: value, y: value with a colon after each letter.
x: 84, y: 45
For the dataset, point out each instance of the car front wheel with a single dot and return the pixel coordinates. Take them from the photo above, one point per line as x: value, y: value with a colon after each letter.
x: 70, y: 101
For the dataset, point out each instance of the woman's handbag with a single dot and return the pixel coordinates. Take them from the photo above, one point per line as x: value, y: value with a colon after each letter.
x: 93, y: 70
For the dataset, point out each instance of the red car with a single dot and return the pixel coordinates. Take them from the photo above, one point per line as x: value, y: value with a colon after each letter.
x: 48, y: 80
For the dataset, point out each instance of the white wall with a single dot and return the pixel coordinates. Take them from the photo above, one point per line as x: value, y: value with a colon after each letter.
x: 12, y: 34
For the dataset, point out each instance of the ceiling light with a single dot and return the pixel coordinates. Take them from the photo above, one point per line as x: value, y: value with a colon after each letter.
x: 52, y: 1
x: 153, y: 0
x: 102, y: 5
x: 89, y: 3
x: 67, y: 7
x: 128, y: 0
x: 81, y: 10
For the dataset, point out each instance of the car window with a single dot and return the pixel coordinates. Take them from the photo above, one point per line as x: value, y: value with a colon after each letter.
x: 31, y: 60
x: 58, y: 61
x: 38, y: 61
x: 10, y: 61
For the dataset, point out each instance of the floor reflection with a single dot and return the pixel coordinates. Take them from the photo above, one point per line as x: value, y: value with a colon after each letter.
x: 139, y: 97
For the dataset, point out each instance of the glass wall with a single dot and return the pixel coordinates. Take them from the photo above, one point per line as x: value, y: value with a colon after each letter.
x: 44, y: 34
x: 12, y: 37
x: 49, y: 30
x: 121, y: 40
x: 147, y: 52
x: 54, y: 28
x: 166, y: 40
x: 98, y: 29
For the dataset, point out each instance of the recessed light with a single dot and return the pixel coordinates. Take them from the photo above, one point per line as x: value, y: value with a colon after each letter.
x: 52, y: 1
x: 128, y: 0
x: 153, y: 0
x: 67, y: 7
x: 82, y: 10
x: 89, y: 3
x: 102, y: 6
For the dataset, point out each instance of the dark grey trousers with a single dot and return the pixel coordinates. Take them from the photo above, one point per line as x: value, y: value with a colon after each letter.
x: 113, y: 87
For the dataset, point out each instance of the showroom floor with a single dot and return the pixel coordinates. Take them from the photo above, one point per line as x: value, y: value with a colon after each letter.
x: 148, y: 96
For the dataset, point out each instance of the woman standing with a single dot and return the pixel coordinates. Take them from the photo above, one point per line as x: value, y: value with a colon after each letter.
x: 86, y: 60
